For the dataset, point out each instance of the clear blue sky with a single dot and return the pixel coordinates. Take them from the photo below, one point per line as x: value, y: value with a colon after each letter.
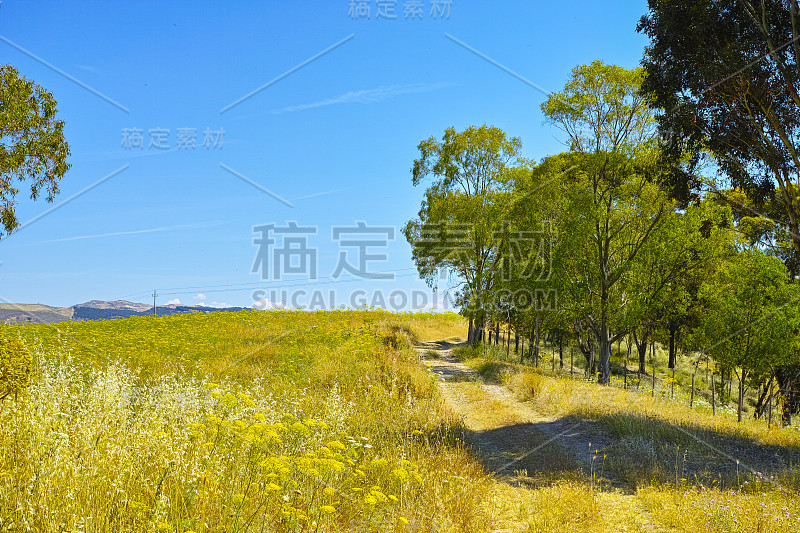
x: 334, y: 138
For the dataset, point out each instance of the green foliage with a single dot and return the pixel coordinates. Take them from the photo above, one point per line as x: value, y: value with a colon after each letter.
x: 15, y: 367
x: 753, y: 322
x: 471, y: 161
x: 609, y: 210
x: 623, y: 256
x: 32, y: 144
x: 464, y: 209
x: 601, y: 109
x: 723, y: 76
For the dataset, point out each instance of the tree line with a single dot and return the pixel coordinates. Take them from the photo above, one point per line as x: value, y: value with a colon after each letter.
x: 671, y: 215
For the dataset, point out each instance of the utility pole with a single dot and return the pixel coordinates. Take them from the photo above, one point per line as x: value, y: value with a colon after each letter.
x: 155, y: 312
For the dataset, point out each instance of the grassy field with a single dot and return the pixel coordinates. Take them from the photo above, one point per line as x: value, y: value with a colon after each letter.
x: 279, y: 421
x: 328, y: 421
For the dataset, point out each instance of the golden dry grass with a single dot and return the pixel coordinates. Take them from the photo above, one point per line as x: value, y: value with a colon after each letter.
x: 280, y: 421
x: 292, y: 421
x: 679, y: 464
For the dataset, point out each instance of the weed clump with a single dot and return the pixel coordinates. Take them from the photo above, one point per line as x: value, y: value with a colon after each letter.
x: 526, y: 385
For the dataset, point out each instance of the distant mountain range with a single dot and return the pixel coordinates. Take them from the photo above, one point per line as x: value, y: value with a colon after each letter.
x: 94, y: 310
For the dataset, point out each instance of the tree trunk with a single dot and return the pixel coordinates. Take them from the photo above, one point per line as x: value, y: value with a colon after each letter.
x: 653, y: 364
x: 741, y: 397
x: 516, y: 343
x: 586, y: 349
x: 604, y: 360
x: 764, y: 397
x: 536, y: 343
x: 787, y: 378
x: 530, y: 344
x: 673, y: 333
x: 470, y: 332
x: 641, y: 348
x: 627, y: 356
x: 713, y: 397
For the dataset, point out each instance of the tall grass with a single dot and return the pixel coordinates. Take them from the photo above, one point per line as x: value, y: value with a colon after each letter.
x: 293, y: 421
x: 283, y: 421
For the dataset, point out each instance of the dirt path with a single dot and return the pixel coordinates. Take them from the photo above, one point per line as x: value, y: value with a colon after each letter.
x: 521, y: 447
x: 509, y: 435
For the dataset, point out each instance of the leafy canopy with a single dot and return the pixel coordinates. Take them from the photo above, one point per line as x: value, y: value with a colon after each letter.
x: 32, y: 144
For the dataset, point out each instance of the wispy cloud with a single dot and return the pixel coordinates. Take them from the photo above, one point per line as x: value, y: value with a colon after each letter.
x: 323, y: 193
x: 368, y: 96
x: 135, y: 232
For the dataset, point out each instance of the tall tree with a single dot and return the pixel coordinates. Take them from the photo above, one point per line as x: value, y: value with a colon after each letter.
x: 32, y: 144
x: 685, y: 250
x: 528, y: 288
x: 726, y: 79
x: 752, y: 323
x: 610, y: 215
x: 464, y: 208
x: 610, y: 208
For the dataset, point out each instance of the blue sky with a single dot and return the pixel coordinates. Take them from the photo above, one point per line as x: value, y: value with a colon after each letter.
x: 328, y: 143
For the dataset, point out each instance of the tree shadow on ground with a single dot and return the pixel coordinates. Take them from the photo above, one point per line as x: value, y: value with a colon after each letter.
x: 523, y: 454
x: 629, y: 451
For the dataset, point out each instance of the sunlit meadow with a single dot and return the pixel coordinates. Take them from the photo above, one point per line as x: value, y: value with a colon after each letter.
x: 277, y: 421
x: 327, y: 421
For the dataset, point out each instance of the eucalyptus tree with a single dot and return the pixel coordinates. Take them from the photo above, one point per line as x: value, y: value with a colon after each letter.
x: 606, y: 225
x: 610, y: 206
x: 686, y: 249
x: 527, y: 278
x: 456, y: 232
x: 725, y: 79
x: 32, y: 144
x: 751, y: 327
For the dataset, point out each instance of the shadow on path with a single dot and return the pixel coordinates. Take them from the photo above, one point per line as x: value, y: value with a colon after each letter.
x: 624, y: 449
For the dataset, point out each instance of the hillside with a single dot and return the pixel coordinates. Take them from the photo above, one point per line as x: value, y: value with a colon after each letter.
x: 94, y: 310
x: 34, y: 313
x: 102, y: 310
